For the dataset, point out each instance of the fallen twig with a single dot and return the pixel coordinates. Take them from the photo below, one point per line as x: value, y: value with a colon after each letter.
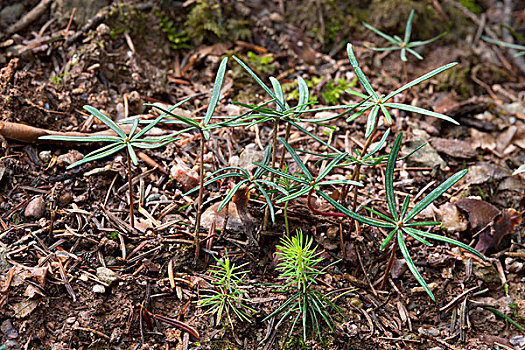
x: 30, y: 134
x: 29, y: 17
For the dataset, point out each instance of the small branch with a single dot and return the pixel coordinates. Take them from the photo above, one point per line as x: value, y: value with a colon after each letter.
x: 30, y: 134
x: 389, y: 265
x: 130, y: 190
x: 199, y: 200
x: 29, y: 17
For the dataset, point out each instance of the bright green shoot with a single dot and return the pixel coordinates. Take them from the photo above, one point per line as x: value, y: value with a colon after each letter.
x: 299, y: 268
x: 404, y: 45
x: 283, y: 112
x: 401, y: 221
x: 227, y: 297
x: 379, y: 103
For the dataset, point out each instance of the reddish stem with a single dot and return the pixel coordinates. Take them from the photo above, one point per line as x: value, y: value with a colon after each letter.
x: 319, y: 212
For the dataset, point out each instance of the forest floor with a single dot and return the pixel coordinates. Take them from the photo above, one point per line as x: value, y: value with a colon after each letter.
x: 75, y: 275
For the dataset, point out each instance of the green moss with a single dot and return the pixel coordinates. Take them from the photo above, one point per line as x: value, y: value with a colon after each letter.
x: 331, y: 91
x: 178, y: 37
x: 472, y: 6
x: 457, y: 79
x: 261, y: 64
x: 341, y: 19
x: 126, y: 19
x: 210, y: 22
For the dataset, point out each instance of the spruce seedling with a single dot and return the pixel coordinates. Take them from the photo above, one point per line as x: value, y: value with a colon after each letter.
x: 306, y: 183
x: 298, y: 266
x: 117, y: 143
x: 204, y: 127
x: 290, y: 115
x: 227, y: 297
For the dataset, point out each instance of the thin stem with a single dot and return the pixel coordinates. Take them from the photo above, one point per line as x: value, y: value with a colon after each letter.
x: 199, y: 200
x: 130, y: 190
x: 389, y: 264
x: 281, y: 166
x: 357, y: 169
x: 274, y: 160
x: 320, y: 212
x: 405, y: 71
x: 286, y: 219
x: 283, y: 151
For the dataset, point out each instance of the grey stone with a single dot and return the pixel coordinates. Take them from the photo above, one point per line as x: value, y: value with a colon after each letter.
x: 106, y: 275
x: 425, y: 156
x: 99, y: 289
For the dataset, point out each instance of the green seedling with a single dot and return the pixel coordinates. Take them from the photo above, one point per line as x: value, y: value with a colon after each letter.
x: 400, y: 221
x: 283, y: 112
x: 227, y: 298
x: 289, y: 115
x: 298, y: 266
x: 404, y: 45
x: 520, y: 48
x: 306, y: 183
x: 373, y: 103
x: 251, y: 182
x: 121, y: 141
x: 204, y: 127
x: 377, y: 103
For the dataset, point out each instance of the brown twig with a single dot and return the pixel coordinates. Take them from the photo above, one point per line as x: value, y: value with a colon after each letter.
x: 30, y: 134
x: 29, y: 17
x: 130, y: 190
x: 199, y: 200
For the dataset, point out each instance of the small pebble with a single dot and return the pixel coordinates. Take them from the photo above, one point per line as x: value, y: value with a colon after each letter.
x: 427, y: 330
x: 106, y: 275
x: 69, y: 158
x: 184, y: 176
x: 36, y: 208
x: 99, y: 289
x: 45, y: 156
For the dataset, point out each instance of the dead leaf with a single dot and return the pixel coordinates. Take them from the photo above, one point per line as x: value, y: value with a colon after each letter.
x: 502, y: 225
x: 505, y: 138
x: 239, y: 217
x: 36, y: 274
x: 24, y: 308
x: 482, y: 140
x: 480, y: 213
x: 452, y: 220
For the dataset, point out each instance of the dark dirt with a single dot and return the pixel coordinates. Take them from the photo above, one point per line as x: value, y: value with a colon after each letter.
x: 58, y: 226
